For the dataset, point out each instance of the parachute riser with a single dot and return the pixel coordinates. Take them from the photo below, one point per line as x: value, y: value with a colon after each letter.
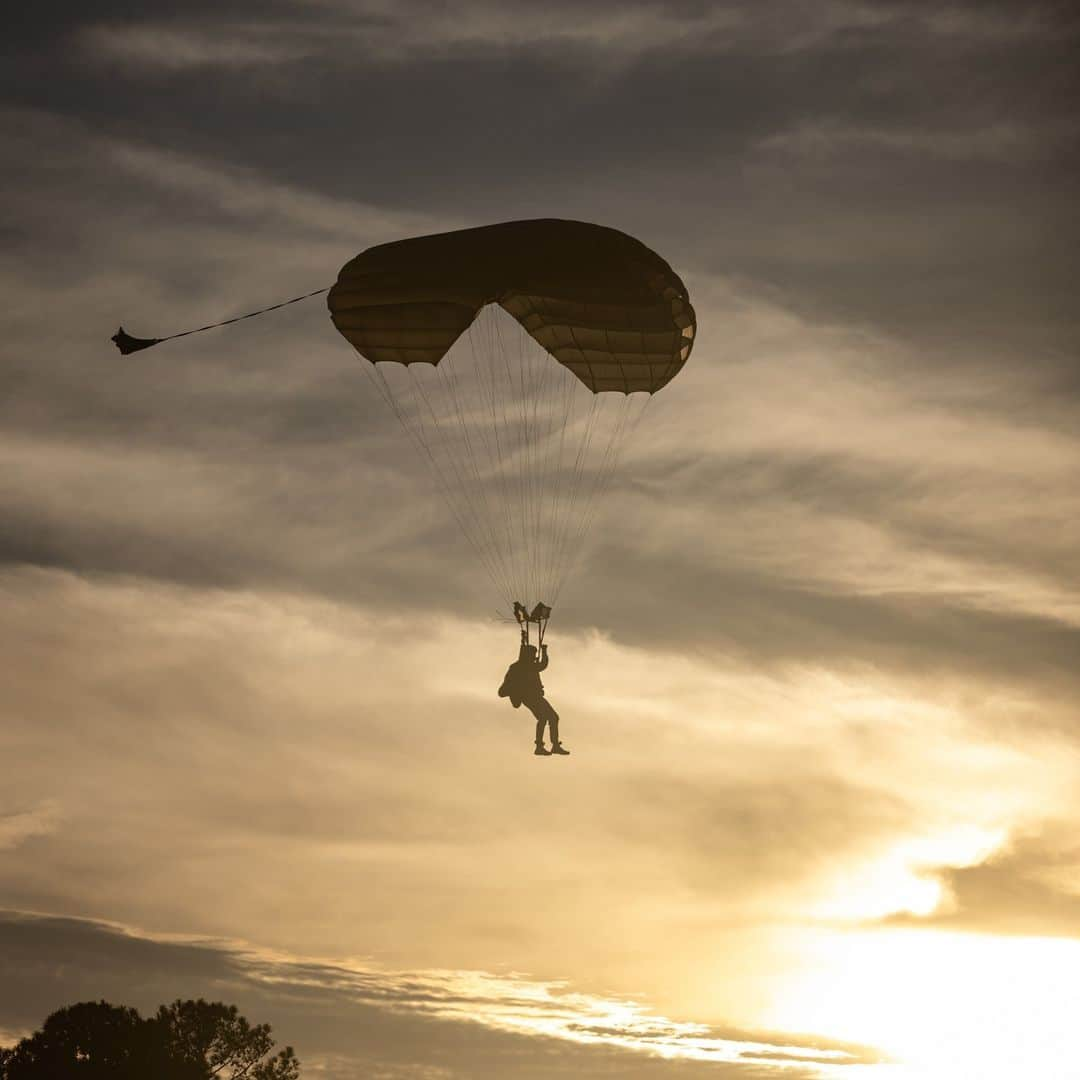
x: 538, y: 616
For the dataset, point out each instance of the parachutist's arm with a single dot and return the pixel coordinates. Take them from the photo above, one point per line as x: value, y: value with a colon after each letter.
x: 543, y: 658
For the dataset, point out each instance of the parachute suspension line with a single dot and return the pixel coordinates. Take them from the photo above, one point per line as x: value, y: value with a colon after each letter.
x: 560, y: 405
x: 459, y: 461
x: 625, y: 437
x: 443, y: 466
x: 570, y: 475
x: 520, y: 447
x: 555, y: 377
x: 500, y: 429
x: 553, y: 453
x: 521, y: 451
x: 582, y: 461
x: 473, y: 459
x: 492, y: 445
x: 523, y: 368
x: 602, y: 471
x: 519, y: 454
x: 540, y: 373
x: 601, y: 480
x: 590, y: 494
x: 574, y: 483
x: 569, y: 385
x: 567, y: 529
x: 529, y: 386
x: 482, y: 352
x: 524, y: 461
x: 534, y: 380
x: 417, y: 436
x: 547, y: 374
x: 620, y: 439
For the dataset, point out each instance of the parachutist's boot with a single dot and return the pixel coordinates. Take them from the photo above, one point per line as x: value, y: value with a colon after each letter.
x: 558, y: 748
x: 541, y: 750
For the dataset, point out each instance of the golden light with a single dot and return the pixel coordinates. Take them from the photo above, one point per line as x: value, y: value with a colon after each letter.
x: 901, y: 879
x: 946, y: 1006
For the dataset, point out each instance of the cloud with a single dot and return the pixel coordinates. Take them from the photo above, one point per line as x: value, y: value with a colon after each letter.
x: 1028, y: 887
x: 603, y: 32
x: 1000, y: 141
x: 846, y: 502
x: 344, y: 1017
x: 829, y: 623
x: 17, y: 826
x: 169, y: 49
x: 319, y: 777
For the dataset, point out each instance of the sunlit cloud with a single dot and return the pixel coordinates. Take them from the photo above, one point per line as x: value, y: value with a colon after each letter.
x: 520, y: 1005
x: 109, y: 957
x: 817, y: 669
x: 17, y: 826
x: 905, y: 879
x: 826, y: 798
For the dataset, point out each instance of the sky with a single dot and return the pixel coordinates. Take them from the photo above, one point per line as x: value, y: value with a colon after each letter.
x: 818, y: 668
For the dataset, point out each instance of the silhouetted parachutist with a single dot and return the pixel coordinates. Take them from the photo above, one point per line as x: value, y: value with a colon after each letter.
x: 522, y: 686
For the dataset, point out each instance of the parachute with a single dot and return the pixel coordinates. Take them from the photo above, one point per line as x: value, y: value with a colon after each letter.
x: 519, y: 359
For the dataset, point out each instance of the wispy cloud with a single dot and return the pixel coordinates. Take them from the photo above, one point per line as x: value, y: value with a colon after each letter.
x: 171, y: 48
x: 818, y: 672
x: 379, y: 31
x: 414, y: 1021
x: 1005, y: 142
x: 17, y: 826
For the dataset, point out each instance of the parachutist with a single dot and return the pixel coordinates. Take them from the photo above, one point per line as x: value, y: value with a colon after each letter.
x: 522, y: 686
x: 566, y: 329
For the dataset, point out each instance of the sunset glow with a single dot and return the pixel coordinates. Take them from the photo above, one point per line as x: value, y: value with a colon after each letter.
x: 794, y: 792
x: 944, y: 1005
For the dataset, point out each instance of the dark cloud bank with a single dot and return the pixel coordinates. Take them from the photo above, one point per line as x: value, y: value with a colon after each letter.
x: 893, y: 162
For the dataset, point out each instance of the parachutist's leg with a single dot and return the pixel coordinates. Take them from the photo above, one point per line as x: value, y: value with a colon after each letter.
x: 536, y: 708
x: 553, y: 724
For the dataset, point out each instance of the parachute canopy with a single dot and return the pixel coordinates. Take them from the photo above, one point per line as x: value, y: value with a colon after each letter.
x: 600, y: 302
x: 519, y: 359
x: 566, y: 330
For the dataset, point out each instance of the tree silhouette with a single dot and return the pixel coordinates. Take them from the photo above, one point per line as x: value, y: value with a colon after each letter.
x: 187, y: 1040
x: 214, y: 1039
x: 88, y: 1040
